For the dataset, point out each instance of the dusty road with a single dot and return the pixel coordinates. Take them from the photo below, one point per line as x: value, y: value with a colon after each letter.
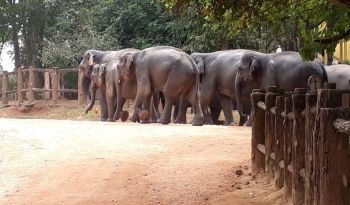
x: 71, y: 162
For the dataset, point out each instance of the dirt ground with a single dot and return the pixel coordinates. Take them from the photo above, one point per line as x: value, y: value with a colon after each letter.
x: 86, y: 162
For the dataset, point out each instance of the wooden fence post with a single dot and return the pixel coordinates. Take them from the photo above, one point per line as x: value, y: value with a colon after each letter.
x: 298, y: 148
x: 81, y: 97
x: 31, y: 83
x: 270, y: 99
x: 287, y: 135
x: 54, y: 85
x: 329, y: 97
x: 310, y: 115
x: 20, y: 85
x: 47, y: 85
x: 334, y: 157
x: 279, y: 142
x: 258, y: 131
x: 5, y: 87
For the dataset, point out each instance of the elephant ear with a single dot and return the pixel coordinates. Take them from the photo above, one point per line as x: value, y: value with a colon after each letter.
x: 200, y: 64
x: 91, y: 59
x: 129, y: 60
x: 254, y: 66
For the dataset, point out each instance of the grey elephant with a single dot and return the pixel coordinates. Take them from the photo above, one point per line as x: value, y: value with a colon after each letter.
x: 165, y: 69
x: 285, y: 70
x: 104, y: 79
x: 93, y: 57
x: 339, y: 74
x: 218, y: 73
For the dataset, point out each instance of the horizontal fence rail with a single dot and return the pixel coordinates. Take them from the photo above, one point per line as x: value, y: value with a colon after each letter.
x: 300, y: 141
x: 26, y: 89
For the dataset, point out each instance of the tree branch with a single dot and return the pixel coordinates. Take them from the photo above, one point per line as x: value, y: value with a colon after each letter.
x: 333, y: 39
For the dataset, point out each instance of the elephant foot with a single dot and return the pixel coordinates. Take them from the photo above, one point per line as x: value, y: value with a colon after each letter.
x: 134, y: 117
x: 124, y: 116
x: 198, y: 121
x: 242, y: 120
x: 164, y: 120
x: 153, y: 120
x: 110, y: 120
x: 208, y: 120
x: 249, y: 123
x: 180, y: 120
x: 229, y: 124
x: 219, y: 122
x: 103, y: 119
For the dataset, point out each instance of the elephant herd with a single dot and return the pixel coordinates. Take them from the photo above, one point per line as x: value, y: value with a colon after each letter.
x: 208, y: 82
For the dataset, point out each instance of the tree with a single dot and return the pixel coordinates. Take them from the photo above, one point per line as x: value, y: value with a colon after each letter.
x: 306, y: 26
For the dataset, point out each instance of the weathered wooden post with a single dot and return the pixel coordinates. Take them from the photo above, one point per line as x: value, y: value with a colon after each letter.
x: 5, y: 87
x: 310, y: 115
x: 334, y: 156
x: 298, y: 146
x: 47, y: 85
x: 329, y: 97
x: 314, y: 84
x: 279, y: 142
x: 20, y: 85
x: 270, y: 100
x: 81, y: 96
x: 287, y: 135
x: 54, y: 85
x: 31, y: 83
x: 258, y: 131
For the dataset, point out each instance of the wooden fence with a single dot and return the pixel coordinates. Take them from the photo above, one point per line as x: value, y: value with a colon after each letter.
x: 300, y: 141
x: 26, y: 88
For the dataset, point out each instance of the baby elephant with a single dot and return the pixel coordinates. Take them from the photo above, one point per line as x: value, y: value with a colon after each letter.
x: 104, y: 78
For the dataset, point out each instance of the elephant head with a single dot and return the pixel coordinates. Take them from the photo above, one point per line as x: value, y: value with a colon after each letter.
x: 85, y: 67
x: 126, y: 66
x: 249, y: 72
x: 98, y: 79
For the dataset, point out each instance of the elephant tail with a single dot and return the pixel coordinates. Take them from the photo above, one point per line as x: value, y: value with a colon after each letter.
x: 198, y: 75
x: 324, y: 72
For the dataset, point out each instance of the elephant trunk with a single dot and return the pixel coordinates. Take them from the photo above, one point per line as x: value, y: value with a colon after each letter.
x: 120, y: 99
x: 239, y: 88
x: 85, y: 83
x: 92, y: 102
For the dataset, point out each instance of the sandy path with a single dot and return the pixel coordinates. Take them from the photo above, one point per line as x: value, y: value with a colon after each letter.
x: 70, y: 162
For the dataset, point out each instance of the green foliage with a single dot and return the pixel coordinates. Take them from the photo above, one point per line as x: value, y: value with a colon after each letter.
x: 295, y: 25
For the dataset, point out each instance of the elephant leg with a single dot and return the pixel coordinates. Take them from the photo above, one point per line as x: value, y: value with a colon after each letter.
x: 193, y: 98
x: 226, y: 104
x: 166, y: 115
x: 153, y: 108
x: 103, y: 104
x: 215, y: 114
x: 143, y: 93
x: 110, y: 108
x: 205, y: 98
x: 182, y: 109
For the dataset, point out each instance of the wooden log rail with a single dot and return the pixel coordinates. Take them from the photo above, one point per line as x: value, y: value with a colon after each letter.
x: 53, y: 74
x: 292, y: 142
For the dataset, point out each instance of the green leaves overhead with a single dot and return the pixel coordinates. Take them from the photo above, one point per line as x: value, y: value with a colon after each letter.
x: 307, y: 25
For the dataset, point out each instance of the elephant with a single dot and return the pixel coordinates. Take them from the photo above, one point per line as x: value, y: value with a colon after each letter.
x: 104, y: 78
x: 166, y: 69
x: 91, y: 58
x: 339, y: 74
x: 286, y: 70
x: 218, y: 72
